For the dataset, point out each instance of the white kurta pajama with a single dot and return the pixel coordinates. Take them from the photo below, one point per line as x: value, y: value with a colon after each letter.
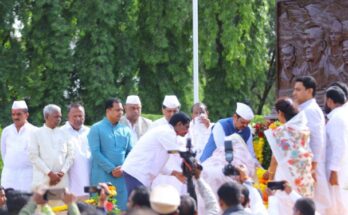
x: 336, y: 158
x: 17, y: 172
x: 159, y: 122
x: 50, y: 150
x: 173, y: 163
x: 316, y: 124
x: 139, y: 128
x: 213, y: 167
x: 80, y: 170
x: 199, y: 135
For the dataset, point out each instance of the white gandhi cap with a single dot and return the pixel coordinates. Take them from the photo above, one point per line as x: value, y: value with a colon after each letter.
x: 19, y: 105
x: 244, y: 111
x: 171, y: 101
x: 164, y: 199
x: 133, y: 99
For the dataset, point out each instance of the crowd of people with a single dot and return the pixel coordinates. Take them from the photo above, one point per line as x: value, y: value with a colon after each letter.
x: 142, y: 159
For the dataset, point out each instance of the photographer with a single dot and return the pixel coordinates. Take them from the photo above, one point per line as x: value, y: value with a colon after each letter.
x: 211, y: 206
x: 148, y: 157
x: 38, y: 199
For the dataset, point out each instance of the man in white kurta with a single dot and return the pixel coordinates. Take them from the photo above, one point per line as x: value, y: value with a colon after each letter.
x: 170, y: 106
x: 304, y: 92
x: 51, y: 152
x: 200, y: 127
x: 337, y: 149
x: 80, y: 170
x: 17, y: 172
x: 148, y: 158
x: 138, y: 125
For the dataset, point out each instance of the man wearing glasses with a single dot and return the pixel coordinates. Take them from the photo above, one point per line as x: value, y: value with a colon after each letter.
x: 238, y: 123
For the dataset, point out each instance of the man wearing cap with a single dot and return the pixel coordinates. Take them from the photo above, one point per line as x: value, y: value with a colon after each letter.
x: 51, y: 152
x: 77, y: 131
x: 165, y: 200
x: 18, y: 170
x: 170, y: 106
x: 225, y: 127
x: 148, y: 158
x: 133, y: 119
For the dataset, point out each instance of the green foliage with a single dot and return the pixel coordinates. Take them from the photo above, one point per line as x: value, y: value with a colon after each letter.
x: 235, y: 47
x: 87, y: 51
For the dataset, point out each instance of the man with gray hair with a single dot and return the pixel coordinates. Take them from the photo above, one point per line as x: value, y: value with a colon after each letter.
x: 50, y: 151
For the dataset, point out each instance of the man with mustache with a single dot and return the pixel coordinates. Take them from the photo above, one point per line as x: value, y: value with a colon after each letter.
x: 110, y: 142
x: 15, y: 138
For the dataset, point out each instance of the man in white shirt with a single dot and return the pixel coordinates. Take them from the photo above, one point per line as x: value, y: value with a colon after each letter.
x: 170, y: 106
x: 148, y: 158
x: 337, y: 148
x: 133, y: 119
x: 80, y: 170
x: 200, y: 127
x: 304, y: 92
x: 51, y: 152
x: 17, y: 172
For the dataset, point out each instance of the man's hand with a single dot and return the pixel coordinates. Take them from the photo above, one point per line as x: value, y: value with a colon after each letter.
x: 60, y: 174
x: 333, y: 178
x: 103, y: 196
x: 38, y: 196
x: 197, y: 173
x: 204, y: 120
x: 117, y: 172
x: 68, y: 198
x: 179, y: 176
x: 287, y: 188
x: 54, y: 178
x: 243, y: 173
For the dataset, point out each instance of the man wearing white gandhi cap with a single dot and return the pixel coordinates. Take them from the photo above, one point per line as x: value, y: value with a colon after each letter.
x: 238, y: 123
x: 133, y: 119
x: 170, y: 106
x: 15, y: 138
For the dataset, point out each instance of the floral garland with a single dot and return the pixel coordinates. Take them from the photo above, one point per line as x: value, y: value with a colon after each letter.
x: 263, y: 153
x: 111, y: 207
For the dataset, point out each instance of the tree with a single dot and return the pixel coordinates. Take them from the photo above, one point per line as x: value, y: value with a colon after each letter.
x: 234, y: 51
x: 165, y: 52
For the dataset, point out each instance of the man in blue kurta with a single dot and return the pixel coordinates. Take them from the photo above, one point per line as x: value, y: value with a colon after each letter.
x: 225, y: 127
x: 110, y: 142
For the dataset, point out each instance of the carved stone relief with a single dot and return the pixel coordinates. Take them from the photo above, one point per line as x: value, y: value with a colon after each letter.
x: 312, y: 38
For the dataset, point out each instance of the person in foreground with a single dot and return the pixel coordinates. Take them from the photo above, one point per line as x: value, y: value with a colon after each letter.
x: 147, y: 159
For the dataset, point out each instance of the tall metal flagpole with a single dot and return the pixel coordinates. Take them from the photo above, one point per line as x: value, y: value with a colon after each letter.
x: 195, y: 51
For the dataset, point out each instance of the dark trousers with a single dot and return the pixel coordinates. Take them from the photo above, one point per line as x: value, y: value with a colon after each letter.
x: 131, y: 182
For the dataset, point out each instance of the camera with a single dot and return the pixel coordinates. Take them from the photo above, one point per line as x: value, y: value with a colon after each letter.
x: 54, y: 194
x: 229, y: 169
x: 189, y: 166
x: 190, y: 163
x: 96, y: 189
x: 276, y: 185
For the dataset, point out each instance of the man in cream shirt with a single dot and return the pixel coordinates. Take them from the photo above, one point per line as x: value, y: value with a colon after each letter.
x: 18, y: 170
x: 51, y: 152
x: 133, y: 119
x: 77, y: 131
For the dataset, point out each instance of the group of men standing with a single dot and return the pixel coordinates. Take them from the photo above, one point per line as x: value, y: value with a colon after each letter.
x: 74, y: 155
x: 129, y: 150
